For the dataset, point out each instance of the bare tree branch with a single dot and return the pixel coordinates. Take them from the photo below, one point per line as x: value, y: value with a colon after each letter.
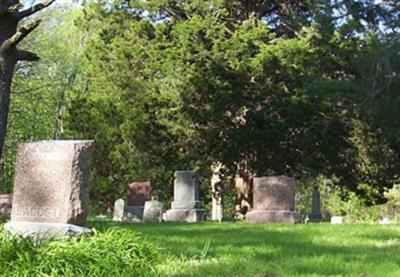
x: 23, y: 55
x: 9, y: 8
x: 34, y: 9
x: 15, y: 8
x: 19, y: 36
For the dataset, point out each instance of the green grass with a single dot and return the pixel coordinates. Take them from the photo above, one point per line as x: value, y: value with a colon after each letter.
x: 238, y: 249
x: 207, y: 249
x: 112, y: 252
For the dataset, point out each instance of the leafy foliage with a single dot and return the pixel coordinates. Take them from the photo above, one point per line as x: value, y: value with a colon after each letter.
x: 302, y: 88
x: 40, y: 90
x: 175, y: 85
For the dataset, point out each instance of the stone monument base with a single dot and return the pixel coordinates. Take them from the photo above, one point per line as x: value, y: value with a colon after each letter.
x: 260, y: 216
x: 315, y: 218
x: 45, y: 230
x: 134, y: 213
x: 190, y: 216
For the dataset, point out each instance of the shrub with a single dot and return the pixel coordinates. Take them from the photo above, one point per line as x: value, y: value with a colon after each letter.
x: 115, y: 252
x: 392, y: 207
x: 336, y: 200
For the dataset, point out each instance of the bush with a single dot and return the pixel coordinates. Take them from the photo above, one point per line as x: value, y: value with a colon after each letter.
x: 392, y: 208
x: 336, y: 200
x: 115, y: 252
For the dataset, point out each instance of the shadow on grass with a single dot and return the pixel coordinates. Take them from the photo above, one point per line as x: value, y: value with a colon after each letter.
x: 278, y: 250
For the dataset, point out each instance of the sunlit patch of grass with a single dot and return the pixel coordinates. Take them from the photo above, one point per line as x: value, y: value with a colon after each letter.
x: 239, y: 249
x: 211, y: 249
x: 114, y: 252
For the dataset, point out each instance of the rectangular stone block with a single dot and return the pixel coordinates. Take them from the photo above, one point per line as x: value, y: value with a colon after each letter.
x: 337, y: 220
x: 274, y: 193
x: 153, y: 211
x: 186, y: 186
x: 186, y: 204
x: 273, y: 217
x: 52, y: 182
x: 189, y: 216
x: 273, y: 200
x: 139, y: 193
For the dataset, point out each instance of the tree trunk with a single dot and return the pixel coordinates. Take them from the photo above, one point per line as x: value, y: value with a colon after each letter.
x: 10, y: 37
x: 243, y: 183
x: 217, y: 213
x: 7, y: 65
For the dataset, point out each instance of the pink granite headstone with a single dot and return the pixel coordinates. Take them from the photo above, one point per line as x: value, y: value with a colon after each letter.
x: 51, y: 185
x: 273, y: 200
x: 139, y: 193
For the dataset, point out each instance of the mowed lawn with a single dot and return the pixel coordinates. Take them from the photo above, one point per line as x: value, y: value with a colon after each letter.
x: 239, y: 249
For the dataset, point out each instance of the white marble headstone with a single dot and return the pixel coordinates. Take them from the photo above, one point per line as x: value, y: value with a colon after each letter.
x: 119, y: 208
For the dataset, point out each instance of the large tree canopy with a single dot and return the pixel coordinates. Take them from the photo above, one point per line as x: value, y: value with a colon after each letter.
x: 302, y: 88
x: 271, y: 87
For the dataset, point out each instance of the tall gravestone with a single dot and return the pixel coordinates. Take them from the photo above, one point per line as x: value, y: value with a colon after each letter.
x: 51, y: 190
x: 315, y: 215
x: 138, y: 194
x: 186, y: 204
x: 273, y: 201
x: 5, y: 206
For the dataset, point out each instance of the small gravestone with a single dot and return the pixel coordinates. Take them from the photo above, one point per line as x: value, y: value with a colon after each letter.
x: 119, y: 208
x: 273, y: 201
x: 337, y: 220
x: 101, y: 217
x: 186, y: 204
x: 315, y: 215
x: 153, y: 211
x: 51, y: 190
x: 5, y: 206
x: 138, y: 194
x: 385, y: 221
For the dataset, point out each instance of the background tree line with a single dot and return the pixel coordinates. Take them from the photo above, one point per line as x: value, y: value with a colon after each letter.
x: 302, y: 88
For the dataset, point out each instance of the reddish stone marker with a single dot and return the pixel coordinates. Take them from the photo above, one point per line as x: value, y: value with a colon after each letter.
x: 51, y: 185
x: 139, y: 193
x: 273, y: 201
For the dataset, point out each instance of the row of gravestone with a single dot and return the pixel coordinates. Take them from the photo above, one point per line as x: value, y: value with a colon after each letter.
x: 274, y: 201
x: 51, y: 192
x: 185, y: 207
x: 140, y: 206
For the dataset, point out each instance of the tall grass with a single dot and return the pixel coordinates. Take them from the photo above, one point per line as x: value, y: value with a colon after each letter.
x: 209, y: 249
x: 114, y: 252
x: 281, y: 250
